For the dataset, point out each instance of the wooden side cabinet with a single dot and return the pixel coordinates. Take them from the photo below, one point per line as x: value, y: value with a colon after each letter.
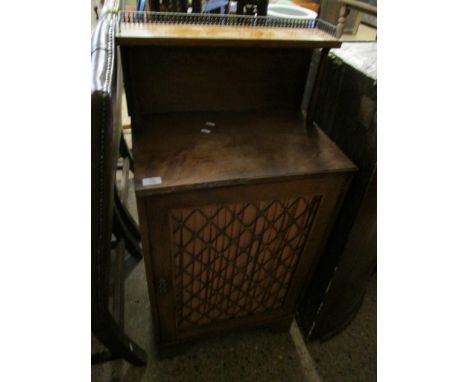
x: 236, y: 187
x: 232, y: 242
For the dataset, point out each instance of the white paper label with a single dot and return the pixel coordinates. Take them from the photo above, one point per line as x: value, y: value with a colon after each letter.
x: 209, y: 123
x: 152, y: 181
x: 205, y: 131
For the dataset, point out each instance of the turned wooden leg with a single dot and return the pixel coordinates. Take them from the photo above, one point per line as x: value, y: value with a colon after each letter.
x: 344, y: 12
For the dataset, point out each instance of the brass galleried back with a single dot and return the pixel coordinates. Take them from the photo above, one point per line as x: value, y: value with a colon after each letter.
x: 235, y: 260
x: 207, y: 19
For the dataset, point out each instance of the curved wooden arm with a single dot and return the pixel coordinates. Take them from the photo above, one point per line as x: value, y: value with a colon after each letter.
x: 360, y: 6
x: 346, y: 6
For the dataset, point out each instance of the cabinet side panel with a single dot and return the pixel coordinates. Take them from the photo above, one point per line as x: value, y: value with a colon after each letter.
x: 162, y: 267
x: 149, y: 269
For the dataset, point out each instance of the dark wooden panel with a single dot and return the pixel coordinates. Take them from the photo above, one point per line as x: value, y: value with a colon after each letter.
x: 357, y: 263
x: 241, y: 147
x: 187, y: 79
x: 346, y: 111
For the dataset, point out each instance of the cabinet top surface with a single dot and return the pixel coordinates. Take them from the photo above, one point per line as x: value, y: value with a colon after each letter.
x: 151, y: 28
x: 180, y: 151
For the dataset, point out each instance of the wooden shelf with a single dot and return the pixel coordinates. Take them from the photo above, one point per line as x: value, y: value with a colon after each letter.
x: 242, y: 147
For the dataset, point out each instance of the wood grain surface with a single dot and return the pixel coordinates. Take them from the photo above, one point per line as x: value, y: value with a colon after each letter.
x: 172, y: 79
x: 241, y: 147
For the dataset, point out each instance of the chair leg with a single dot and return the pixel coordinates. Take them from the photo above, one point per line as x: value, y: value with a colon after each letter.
x: 119, y: 344
x: 126, y: 218
x: 121, y: 230
x: 125, y: 151
x: 103, y: 357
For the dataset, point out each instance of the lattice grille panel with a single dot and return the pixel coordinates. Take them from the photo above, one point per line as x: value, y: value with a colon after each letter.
x: 235, y: 260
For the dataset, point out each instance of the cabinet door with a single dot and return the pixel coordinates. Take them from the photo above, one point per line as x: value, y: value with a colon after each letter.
x: 230, y: 256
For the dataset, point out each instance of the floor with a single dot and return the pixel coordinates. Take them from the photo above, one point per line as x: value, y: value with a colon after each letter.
x: 351, y: 355
x: 251, y: 355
